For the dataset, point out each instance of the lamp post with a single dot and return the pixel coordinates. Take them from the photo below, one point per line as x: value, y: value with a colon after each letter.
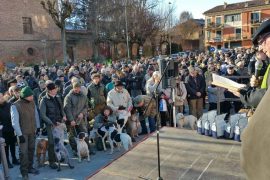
x: 44, y: 42
x: 126, y: 29
x: 170, y: 26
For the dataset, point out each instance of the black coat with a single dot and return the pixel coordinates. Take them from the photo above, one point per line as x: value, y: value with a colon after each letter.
x: 193, y: 86
x: 5, y: 118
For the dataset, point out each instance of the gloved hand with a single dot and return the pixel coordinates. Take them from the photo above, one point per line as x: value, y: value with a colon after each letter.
x: 21, y: 139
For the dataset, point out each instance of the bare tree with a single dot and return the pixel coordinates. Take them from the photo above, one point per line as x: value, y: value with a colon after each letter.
x: 185, y: 16
x: 59, y: 11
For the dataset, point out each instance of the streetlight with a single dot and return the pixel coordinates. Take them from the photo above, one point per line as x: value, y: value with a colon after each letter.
x: 126, y: 28
x: 170, y: 26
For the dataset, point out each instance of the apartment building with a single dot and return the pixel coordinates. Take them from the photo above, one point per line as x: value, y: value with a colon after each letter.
x: 233, y: 25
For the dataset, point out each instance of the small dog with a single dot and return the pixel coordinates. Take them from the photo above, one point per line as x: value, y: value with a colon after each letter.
x: 122, y: 119
x: 186, y: 120
x: 135, y: 124
x: 82, y: 148
x: 119, y: 138
x: 41, y: 150
x: 60, y: 150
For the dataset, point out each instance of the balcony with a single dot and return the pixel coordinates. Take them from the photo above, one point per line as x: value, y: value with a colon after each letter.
x: 255, y: 22
x: 214, y: 40
x: 236, y: 37
x: 214, y: 26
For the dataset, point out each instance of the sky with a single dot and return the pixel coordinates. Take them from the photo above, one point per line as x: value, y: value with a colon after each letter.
x: 197, y: 7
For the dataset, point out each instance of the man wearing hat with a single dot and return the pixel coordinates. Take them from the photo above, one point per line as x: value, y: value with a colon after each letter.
x: 119, y: 96
x: 75, y: 107
x: 255, y: 158
x: 52, y: 113
x: 25, y: 121
x: 141, y: 102
x: 96, y: 94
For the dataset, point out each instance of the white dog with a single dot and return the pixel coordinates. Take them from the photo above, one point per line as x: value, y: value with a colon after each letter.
x: 182, y: 121
x: 82, y: 148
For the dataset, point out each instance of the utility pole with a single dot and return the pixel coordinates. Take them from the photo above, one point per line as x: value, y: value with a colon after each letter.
x: 170, y: 27
x: 127, y: 29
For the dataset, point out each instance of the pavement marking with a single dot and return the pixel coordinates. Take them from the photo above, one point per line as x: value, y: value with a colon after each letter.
x: 205, y: 169
x: 190, y: 167
x: 162, y: 162
x: 230, y: 151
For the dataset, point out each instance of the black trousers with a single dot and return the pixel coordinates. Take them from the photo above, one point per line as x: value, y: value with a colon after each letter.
x: 10, y: 140
x: 163, y: 118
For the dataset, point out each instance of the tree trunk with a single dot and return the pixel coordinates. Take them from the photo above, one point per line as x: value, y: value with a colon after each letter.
x: 64, y: 45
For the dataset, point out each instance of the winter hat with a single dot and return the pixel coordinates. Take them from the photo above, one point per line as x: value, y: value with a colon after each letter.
x: 26, y: 92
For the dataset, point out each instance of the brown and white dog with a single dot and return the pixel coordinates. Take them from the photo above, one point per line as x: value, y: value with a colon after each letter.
x: 41, y: 150
x: 182, y: 121
x: 82, y: 148
x: 134, y: 124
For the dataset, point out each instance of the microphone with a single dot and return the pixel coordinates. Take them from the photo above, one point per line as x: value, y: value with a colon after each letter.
x: 258, y: 67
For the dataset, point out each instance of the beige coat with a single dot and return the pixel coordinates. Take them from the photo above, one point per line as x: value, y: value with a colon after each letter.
x: 180, y: 94
x: 255, y: 153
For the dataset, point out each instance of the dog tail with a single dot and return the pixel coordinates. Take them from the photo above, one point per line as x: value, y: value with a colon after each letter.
x: 125, y: 139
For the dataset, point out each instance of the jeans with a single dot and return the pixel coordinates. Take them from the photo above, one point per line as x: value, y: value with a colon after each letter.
x: 152, y: 124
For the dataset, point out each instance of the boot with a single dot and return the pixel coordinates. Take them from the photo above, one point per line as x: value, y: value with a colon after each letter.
x: 15, y: 161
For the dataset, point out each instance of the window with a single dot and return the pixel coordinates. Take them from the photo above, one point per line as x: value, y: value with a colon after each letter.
x: 208, y: 35
x: 208, y: 21
x: 255, y: 17
x: 253, y: 30
x: 232, y: 18
x: 238, y: 33
x: 218, y: 34
x: 218, y: 20
x: 27, y: 25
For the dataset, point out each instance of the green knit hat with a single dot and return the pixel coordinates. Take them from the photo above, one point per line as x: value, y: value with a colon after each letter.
x: 26, y: 92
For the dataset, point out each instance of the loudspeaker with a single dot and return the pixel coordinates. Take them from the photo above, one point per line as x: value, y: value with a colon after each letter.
x: 170, y: 74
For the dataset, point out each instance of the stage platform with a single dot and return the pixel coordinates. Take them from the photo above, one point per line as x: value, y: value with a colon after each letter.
x: 184, y: 155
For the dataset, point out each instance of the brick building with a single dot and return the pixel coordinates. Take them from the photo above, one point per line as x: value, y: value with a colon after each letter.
x: 233, y: 25
x: 28, y: 34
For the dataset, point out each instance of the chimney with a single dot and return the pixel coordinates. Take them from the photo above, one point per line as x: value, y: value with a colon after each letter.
x: 246, y: 4
x: 225, y: 5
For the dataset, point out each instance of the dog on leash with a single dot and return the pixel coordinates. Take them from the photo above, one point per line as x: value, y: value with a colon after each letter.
x: 182, y: 120
x: 122, y: 119
x: 41, y: 150
x: 119, y: 138
x: 82, y: 147
x: 61, y: 153
x: 134, y: 123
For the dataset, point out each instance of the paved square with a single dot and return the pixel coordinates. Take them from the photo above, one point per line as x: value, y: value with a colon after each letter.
x: 184, y: 155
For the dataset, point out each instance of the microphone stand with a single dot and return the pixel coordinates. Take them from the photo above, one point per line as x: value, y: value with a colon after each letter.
x: 155, y: 95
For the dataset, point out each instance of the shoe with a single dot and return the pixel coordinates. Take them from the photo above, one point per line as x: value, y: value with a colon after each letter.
x: 33, y: 171
x: 25, y: 177
x: 10, y: 165
x: 53, y: 165
x: 15, y: 162
x: 142, y: 133
x: 133, y: 139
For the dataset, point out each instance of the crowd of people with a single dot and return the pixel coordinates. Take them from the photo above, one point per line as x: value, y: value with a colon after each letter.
x: 39, y: 98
